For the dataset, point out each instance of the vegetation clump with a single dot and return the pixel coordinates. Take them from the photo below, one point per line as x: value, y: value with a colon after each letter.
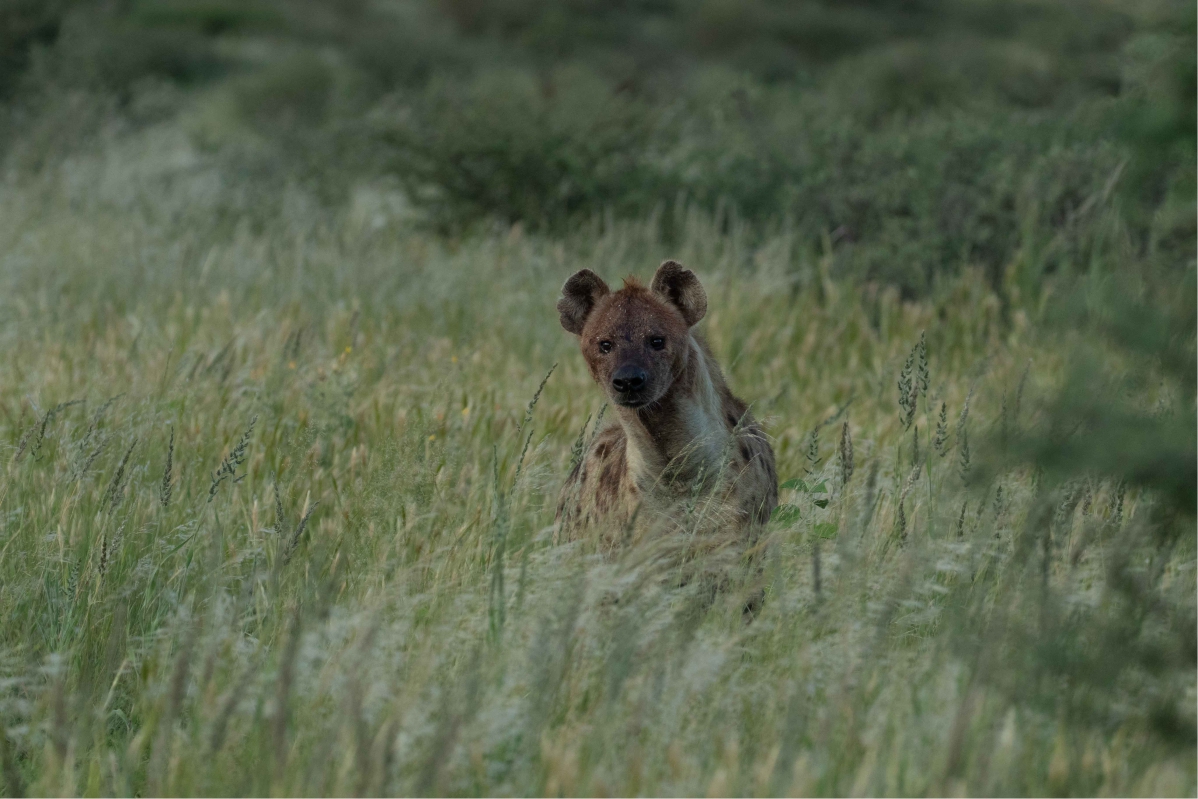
x: 281, y: 432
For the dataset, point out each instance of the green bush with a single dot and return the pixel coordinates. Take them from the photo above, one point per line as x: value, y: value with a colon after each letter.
x: 905, y: 141
x: 276, y: 508
x: 102, y: 51
x: 277, y: 512
x: 25, y: 24
x: 508, y: 146
x: 913, y: 198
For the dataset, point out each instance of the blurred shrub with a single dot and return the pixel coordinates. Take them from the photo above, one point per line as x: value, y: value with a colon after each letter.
x: 914, y: 197
x: 23, y: 25
x: 509, y: 146
x: 1156, y: 120
x: 781, y: 40
x: 211, y: 17
x: 295, y: 91
x: 921, y: 198
x: 393, y: 44
x: 907, y: 139
x: 550, y: 30
x: 105, y: 51
x: 1126, y: 433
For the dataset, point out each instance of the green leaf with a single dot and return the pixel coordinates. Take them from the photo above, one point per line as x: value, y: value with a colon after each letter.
x: 823, y: 503
x: 822, y: 488
x: 785, y: 514
x: 825, y: 530
x: 795, y: 483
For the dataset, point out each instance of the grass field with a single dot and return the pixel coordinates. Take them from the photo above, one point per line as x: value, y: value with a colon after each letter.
x: 293, y: 534
x: 279, y: 459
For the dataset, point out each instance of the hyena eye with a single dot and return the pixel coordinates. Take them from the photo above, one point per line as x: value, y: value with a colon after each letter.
x: 605, y: 346
x: 657, y: 343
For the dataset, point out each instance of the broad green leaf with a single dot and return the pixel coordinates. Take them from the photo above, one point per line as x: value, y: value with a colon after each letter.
x: 825, y: 530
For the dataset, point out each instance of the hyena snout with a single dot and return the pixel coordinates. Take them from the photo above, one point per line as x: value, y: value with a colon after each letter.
x: 629, y: 379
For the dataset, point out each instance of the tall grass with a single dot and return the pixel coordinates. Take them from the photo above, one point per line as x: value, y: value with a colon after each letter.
x: 277, y: 499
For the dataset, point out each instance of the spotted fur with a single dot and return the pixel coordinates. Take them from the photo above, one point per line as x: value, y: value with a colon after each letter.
x: 681, y: 438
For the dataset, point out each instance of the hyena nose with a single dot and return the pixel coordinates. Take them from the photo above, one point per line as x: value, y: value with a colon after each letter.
x: 629, y: 378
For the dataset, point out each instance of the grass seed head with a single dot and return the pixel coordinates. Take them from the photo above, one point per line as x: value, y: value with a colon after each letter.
x: 116, y: 488
x: 907, y: 389
x: 1117, y: 515
x: 924, y: 378
x: 236, y: 457
x: 940, y: 443
x: 846, y: 454
x: 813, y: 451
x: 1019, y: 393
x: 964, y: 455
x: 299, y: 532
x: 280, y: 514
x: 167, y: 487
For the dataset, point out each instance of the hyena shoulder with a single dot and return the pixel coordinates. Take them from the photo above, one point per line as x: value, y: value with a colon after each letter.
x: 600, y: 486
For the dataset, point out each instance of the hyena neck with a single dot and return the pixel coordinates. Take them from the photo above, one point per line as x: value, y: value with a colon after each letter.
x: 684, y: 431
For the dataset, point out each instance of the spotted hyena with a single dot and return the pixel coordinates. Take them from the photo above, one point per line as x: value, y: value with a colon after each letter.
x: 680, y: 434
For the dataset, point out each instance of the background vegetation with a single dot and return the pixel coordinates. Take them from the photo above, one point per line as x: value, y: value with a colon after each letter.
x: 280, y: 454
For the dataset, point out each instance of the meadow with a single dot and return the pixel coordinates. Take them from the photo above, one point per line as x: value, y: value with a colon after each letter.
x: 280, y: 447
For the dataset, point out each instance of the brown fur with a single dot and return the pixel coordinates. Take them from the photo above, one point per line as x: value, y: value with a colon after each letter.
x: 682, y: 436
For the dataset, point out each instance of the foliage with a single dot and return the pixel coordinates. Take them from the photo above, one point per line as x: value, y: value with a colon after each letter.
x: 910, y: 141
x: 371, y: 601
x: 541, y: 154
x: 281, y: 432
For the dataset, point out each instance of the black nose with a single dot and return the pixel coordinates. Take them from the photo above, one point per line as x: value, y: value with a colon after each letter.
x: 629, y: 378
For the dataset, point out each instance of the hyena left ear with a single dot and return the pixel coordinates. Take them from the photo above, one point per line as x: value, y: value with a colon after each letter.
x: 579, y: 295
x: 679, y: 286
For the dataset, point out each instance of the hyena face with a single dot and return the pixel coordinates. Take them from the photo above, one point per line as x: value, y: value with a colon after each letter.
x: 635, y: 340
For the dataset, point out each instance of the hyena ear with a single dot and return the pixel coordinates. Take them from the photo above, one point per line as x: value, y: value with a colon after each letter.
x: 579, y: 295
x: 678, y: 285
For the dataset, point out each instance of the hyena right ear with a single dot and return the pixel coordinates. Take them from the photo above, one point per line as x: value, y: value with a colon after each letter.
x: 579, y: 295
x: 677, y: 284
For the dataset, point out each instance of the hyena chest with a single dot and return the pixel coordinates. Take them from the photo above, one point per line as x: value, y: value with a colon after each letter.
x: 639, y: 470
x: 686, y: 452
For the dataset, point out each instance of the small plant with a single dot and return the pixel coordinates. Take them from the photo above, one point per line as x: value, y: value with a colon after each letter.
x: 38, y: 431
x: 280, y: 514
x: 846, y: 454
x: 1117, y: 514
x: 236, y: 457
x: 1019, y: 393
x: 788, y: 513
x: 922, y: 376
x: 298, y: 534
x: 963, y: 453
x: 940, y: 442
x: 116, y: 488
x: 167, y: 486
x: 813, y: 458
x: 907, y: 390
x: 94, y: 441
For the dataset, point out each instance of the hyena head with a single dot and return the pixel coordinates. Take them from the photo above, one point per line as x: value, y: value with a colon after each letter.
x: 636, y: 341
